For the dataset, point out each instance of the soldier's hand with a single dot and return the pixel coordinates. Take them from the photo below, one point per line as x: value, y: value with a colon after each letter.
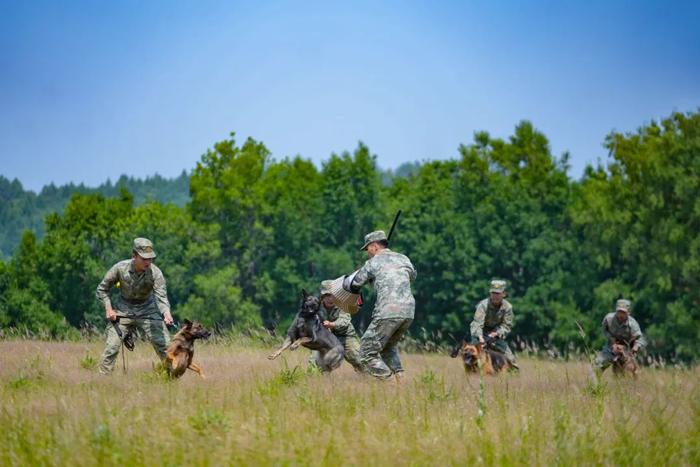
x: 111, y: 315
x: 328, y: 324
x: 168, y: 318
x: 481, y: 340
x: 493, y: 334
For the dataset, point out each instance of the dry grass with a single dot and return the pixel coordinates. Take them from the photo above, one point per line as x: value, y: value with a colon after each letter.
x: 58, y: 411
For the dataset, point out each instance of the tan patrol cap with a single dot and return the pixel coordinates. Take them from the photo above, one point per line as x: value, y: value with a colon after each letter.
x: 376, y: 236
x: 624, y: 305
x: 498, y: 286
x: 144, y: 248
x: 326, y: 288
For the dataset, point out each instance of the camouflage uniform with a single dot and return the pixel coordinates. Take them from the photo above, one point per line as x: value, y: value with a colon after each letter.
x: 143, y: 297
x: 393, y: 314
x: 346, y: 334
x: 628, y: 333
x: 489, y: 318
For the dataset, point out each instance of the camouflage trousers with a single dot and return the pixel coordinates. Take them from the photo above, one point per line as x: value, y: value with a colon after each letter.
x: 352, y: 352
x: 604, y: 359
x: 152, y: 329
x: 379, y: 350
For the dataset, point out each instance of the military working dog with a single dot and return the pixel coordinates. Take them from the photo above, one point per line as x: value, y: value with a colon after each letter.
x: 624, y: 362
x: 307, y: 330
x: 476, y: 354
x: 178, y: 356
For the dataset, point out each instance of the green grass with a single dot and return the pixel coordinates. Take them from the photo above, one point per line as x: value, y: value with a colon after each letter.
x: 89, y: 362
x: 251, y: 411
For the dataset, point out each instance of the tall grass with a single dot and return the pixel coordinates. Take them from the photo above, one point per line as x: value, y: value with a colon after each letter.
x: 250, y: 411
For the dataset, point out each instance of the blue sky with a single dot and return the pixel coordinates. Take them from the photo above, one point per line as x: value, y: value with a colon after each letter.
x: 91, y: 90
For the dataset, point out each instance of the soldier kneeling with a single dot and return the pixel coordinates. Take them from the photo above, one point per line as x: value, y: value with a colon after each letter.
x: 620, y: 329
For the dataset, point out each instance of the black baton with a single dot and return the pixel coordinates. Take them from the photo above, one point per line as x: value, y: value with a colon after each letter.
x: 393, y: 225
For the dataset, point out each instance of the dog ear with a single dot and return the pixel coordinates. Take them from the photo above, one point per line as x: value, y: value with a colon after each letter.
x: 304, y: 294
x: 188, y: 323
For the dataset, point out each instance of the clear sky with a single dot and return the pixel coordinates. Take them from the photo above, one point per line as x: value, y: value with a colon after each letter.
x: 90, y: 90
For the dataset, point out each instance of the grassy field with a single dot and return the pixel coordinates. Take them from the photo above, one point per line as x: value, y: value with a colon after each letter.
x: 56, y: 410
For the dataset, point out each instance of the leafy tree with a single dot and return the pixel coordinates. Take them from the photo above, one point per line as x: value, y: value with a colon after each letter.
x: 351, y: 192
x: 25, y: 296
x: 217, y: 300
x: 258, y: 230
x: 21, y: 209
x: 640, y: 216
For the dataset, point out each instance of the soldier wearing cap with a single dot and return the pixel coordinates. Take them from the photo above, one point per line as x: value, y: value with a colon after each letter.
x: 619, y: 328
x: 394, y: 310
x: 494, y: 317
x: 142, y: 303
x: 339, y: 323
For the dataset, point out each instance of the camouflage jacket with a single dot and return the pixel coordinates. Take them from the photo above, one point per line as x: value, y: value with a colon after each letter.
x: 488, y: 318
x: 392, y: 274
x: 624, y: 333
x: 137, y: 292
x: 341, y: 319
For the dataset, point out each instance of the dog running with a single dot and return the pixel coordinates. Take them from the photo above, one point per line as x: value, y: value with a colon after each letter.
x: 181, y: 350
x: 307, y: 330
x: 491, y: 361
x: 624, y: 362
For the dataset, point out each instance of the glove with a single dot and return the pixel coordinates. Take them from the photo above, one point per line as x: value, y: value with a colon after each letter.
x: 347, y: 283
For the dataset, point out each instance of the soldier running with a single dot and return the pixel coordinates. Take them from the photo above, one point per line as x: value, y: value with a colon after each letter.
x: 394, y: 310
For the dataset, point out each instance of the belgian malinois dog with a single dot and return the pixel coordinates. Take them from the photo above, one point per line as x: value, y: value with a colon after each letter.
x: 307, y: 330
x: 624, y: 362
x: 178, y: 356
x: 491, y: 361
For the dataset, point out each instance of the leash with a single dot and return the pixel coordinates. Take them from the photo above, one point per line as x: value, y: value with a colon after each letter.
x: 147, y: 318
x: 124, y: 371
x: 488, y: 340
x: 128, y: 339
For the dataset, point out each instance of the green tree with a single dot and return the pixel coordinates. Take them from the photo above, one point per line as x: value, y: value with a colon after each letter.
x: 640, y: 216
x: 26, y: 298
x: 217, y: 300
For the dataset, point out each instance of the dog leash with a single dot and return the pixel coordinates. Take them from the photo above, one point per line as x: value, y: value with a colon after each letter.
x: 128, y: 341
x: 123, y: 359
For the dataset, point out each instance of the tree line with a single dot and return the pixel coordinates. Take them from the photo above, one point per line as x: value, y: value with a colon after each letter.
x: 256, y: 230
x: 22, y: 209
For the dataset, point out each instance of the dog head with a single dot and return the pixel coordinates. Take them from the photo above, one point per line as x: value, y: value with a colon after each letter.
x: 195, y: 330
x: 471, y: 353
x: 618, y: 349
x: 310, y: 305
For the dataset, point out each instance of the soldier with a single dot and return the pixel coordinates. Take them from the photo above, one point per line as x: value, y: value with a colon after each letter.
x: 494, y: 317
x: 340, y: 324
x: 392, y: 274
x: 619, y: 328
x: 142, y: 304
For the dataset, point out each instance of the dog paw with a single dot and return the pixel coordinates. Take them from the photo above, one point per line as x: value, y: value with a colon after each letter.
x: 272, y: 356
